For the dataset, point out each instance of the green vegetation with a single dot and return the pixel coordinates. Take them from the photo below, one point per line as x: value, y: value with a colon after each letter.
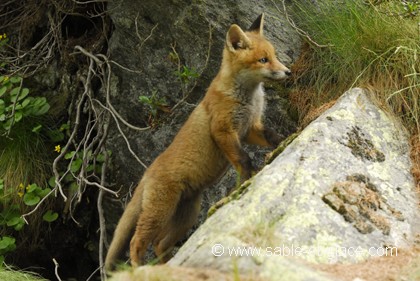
x: 11, y: 275
x: 23, y: 161
x: 16, y: 105
x: 154, y: 103
x: 358, y: 43
x: 186, y: 74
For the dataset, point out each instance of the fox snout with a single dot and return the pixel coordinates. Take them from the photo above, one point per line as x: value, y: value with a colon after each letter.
x: 281, y: 74
x: 278, y: 74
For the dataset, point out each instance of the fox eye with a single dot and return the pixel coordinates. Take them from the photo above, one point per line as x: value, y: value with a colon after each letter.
x: 263, y: 60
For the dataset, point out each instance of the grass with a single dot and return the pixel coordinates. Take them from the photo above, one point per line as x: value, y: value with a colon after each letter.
x: 11, y: 275
x: 356, y: 43
x: 24, y: 160
x: 363, y: 45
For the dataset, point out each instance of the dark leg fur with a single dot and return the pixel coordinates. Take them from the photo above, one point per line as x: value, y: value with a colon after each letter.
x: 183, y: 220
x: 272, y: 137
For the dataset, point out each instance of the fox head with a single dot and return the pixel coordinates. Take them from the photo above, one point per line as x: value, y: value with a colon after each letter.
x: 251, y: 57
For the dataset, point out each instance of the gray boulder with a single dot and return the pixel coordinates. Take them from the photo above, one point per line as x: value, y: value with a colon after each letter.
x: 342, y: 191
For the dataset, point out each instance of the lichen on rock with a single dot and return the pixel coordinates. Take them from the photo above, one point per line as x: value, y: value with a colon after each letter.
x: 359, y: 202
x: 362, y: 147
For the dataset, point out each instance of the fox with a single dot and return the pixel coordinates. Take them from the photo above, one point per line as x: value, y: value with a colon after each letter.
x: 167, y: 201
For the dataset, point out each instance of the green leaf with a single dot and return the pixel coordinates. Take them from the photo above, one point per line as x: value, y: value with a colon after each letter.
x: 18, y: 94
x: 8, y: 124
x: 15, y: 80
x: 145, y: 100
x: 50, y: 216
x: 31, y: 188
x: 18, y: 116
x: 26, y: 102
x: 43, y: 192
x: 64, y: 126
x: 7, y: 242
x: 31, y: 199
x: 20, y: 225
x: 100, y: 158
x: 39, y: 101
x: 15, y: 221
x: 51, y: 182
x: 42, y: 110
x: 14, y: 92
x: 74, y: 186
x: 23, y: 93
x: 3, y: 90
x: 90, y: 168
x: 75, y: 165
x: 36, y: 129
x: 68, y: 178
x: 69, y: 155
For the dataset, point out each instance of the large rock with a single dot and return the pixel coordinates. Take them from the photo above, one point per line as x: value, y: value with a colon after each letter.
x: 341, y: 191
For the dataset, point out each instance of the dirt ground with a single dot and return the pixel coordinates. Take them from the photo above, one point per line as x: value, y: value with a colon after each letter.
x: 405, y: 266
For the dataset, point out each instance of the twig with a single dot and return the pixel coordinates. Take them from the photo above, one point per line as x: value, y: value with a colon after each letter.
x: 56, y: 266
x: 101, y: 187
x: 108, y: 100
x: 14, y: 107
x: 102, y: 222
x: 123, y: 135
x: 138, y: 34
x: 38, y: 205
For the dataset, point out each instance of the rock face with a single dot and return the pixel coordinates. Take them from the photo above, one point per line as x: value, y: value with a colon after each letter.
x: 341, y: 191
x: 163, y: 46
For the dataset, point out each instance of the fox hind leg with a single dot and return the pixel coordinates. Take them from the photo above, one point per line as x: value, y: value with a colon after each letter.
x: 183, y: 220
x: 156, y: 213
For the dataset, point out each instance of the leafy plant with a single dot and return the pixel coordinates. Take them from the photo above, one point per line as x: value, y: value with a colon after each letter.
x: 16, y: 104
x: 186, y: 74
x: 154, y: 103
x: 7, y: 245
x: 11, y: 214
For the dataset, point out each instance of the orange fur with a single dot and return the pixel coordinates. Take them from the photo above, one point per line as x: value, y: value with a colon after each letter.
x: 167, y: 201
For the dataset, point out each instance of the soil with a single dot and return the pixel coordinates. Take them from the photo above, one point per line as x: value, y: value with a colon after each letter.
x: 403, y: 266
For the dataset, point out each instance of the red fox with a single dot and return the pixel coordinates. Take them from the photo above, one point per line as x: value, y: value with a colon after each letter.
x: 166, y: 203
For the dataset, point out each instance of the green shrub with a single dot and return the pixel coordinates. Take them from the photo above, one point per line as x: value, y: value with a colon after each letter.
x: 16, y: 105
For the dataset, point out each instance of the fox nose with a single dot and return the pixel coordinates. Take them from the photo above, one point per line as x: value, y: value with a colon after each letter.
x: 288, y: 72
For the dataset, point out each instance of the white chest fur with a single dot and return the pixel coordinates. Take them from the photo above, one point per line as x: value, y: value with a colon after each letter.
x: 251, y: 109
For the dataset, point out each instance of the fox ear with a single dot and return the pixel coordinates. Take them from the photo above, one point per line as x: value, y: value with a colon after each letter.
x: 258, y: 25
x: 237, y: 39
